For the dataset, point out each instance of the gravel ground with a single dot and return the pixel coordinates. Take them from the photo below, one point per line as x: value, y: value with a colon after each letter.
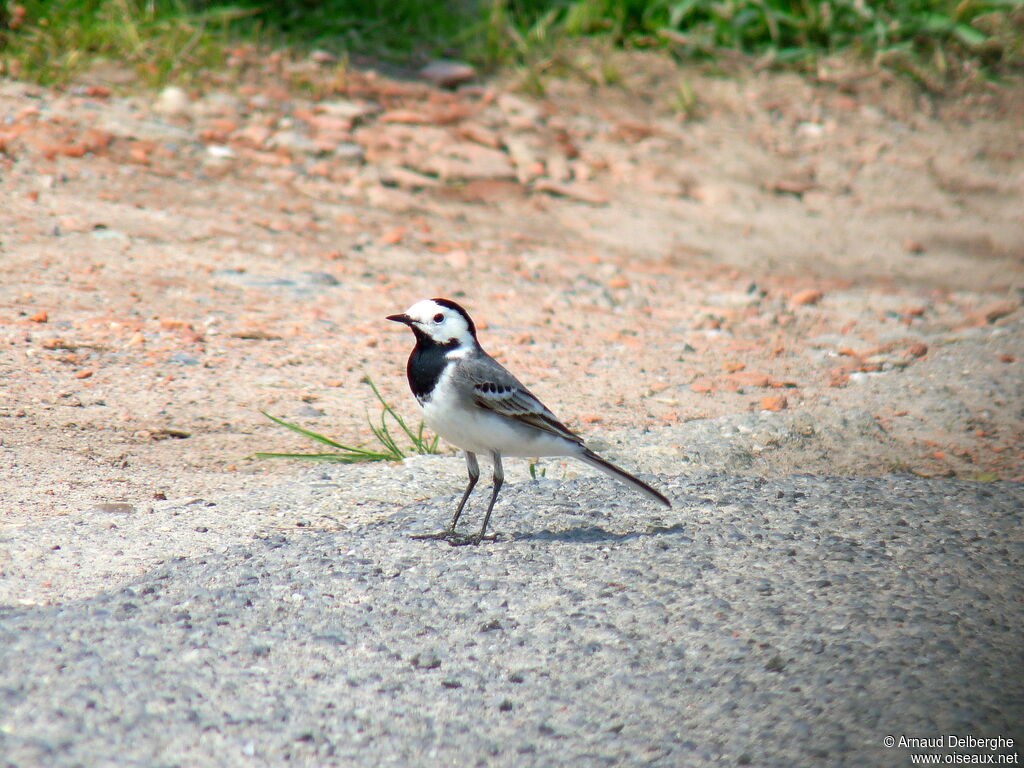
x: 792, y: 245
x: 802, y: 282
x: 789, y: 621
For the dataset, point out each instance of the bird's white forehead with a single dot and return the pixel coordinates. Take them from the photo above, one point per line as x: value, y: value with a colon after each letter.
x: 425, y: 310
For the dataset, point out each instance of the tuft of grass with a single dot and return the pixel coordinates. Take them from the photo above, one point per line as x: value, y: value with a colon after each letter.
x: 393, y: 30
x: 932, y: 33
x: 527, y: 41
x: 928, y: 40
x: 683, y: 100
x: 389, y: 447
x: 51, y: 41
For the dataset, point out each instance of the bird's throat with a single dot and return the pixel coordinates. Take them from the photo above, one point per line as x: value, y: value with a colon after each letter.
x: 426, y: 366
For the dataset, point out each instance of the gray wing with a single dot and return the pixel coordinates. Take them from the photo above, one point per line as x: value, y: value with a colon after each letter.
x: 497, y: 390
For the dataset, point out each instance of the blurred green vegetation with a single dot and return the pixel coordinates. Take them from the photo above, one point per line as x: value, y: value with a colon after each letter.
x: 51, y: 40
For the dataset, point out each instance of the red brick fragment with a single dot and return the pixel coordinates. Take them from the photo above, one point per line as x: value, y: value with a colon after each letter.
x: 702, y: 385
x: 806, y: 297
x: 774, y: 403
x: 917, y: 349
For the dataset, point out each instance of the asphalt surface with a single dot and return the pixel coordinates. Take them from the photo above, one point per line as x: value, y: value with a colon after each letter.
x: 777, y: 622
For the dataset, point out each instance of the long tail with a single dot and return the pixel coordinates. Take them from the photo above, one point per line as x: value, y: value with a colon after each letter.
x: 591, y: 458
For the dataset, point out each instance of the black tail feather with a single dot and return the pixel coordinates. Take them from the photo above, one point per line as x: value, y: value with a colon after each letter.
x: 591, y: 458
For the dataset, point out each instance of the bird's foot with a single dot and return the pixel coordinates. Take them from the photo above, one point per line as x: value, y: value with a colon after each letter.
x: 474, y: 539
x: 456, y: 539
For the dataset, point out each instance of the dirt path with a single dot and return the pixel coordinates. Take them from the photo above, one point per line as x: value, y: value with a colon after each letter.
x: 172, y: 264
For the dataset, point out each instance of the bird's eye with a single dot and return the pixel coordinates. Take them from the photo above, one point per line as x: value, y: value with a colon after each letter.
x: 438, y: 317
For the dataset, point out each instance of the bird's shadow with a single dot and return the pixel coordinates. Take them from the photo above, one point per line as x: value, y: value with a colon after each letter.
x: 589, y: 534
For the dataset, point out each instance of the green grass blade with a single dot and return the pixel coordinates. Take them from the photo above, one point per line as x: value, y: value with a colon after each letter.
x: 311, y: 435
x: 372, y: 455
x: 340, y: 458
x: 348, y: 454
x: 385, y: 439
x: 388, y: 409
x: 389, y: 440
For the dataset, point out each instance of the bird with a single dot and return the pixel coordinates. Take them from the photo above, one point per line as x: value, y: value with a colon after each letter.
x: 473, y: 402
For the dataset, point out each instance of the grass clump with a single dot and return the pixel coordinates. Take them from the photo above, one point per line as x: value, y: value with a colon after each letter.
x: 389, y: 448
x: 385, y: 29
x: 52, y: 40
x: 940, y: 37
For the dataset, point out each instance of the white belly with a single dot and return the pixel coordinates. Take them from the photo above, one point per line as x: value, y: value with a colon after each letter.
x: 478, y: 430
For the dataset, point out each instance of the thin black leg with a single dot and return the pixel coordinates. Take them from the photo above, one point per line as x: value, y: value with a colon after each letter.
x: 499, y: 478
x: 473, y: 469
x: 449, y: 535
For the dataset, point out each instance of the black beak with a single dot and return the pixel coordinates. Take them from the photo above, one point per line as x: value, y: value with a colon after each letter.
x: 403, y: 318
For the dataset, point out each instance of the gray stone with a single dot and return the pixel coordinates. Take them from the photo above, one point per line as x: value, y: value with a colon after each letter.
x: 447, y: 73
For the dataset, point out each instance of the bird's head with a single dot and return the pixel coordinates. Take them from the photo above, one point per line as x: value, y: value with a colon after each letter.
x: 440, y: 321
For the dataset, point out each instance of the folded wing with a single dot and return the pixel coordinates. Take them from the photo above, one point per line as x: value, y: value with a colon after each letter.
x: 499, y: 391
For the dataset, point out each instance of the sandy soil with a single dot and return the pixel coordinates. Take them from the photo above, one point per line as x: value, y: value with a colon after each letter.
x: 172, y: 263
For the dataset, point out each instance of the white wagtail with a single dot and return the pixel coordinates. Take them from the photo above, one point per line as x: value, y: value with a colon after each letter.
x: 469, y: 399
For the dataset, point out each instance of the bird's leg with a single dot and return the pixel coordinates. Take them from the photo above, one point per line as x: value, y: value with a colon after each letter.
x: 473, y: 469
x: 499, y: 478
